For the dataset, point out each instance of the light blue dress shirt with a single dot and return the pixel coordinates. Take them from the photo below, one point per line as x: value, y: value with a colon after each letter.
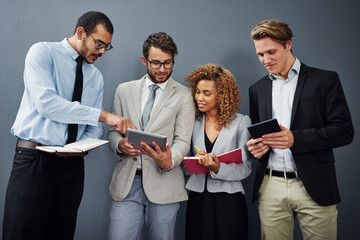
x: 46, y: 107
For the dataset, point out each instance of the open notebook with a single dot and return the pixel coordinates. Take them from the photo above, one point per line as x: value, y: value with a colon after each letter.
x: 75, y: 147
x: 193, y: 166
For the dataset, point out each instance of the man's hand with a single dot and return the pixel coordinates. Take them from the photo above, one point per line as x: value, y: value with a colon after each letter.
x: 163, y: 159
x: 128, y: 149
x: 282, y: 140
x: 210, y: 161
x: 119, y: 123
x: 257, y: 147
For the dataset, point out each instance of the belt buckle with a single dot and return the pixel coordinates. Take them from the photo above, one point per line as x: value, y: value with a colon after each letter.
x: 295, y: 172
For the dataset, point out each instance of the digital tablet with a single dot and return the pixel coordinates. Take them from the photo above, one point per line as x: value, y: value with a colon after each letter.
x: 257, y: 130
x: 137, y: 136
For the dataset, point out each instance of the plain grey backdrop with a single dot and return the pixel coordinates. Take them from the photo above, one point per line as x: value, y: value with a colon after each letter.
x: 206, y: 31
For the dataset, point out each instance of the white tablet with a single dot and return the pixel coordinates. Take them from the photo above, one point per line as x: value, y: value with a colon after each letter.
x: 137, y: 136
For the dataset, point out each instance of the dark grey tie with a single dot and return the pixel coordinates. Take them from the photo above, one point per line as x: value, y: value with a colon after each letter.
x: 149, y: 105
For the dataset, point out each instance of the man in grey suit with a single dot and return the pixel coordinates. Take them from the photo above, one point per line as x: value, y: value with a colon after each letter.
x: 148, y: 184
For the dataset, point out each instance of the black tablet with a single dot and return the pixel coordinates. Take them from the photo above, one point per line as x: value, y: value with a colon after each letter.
x: 257, y: 130
x: 137, y: 136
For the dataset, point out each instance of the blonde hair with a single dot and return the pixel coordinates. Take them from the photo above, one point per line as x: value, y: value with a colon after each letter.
x: 274, y: 29
x: 228, y: 96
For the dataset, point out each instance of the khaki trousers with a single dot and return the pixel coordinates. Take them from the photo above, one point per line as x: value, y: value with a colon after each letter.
x: 281, y: 200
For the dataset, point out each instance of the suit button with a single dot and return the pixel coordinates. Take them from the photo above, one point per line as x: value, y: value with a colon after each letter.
x: 134, y: 159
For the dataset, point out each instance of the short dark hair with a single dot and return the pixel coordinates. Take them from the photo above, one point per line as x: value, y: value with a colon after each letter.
x: 91, y: 19
x: 160, y: 40
x: 274, y: 29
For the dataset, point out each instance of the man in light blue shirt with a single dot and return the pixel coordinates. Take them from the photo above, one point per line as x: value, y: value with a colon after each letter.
x: 45, y: 190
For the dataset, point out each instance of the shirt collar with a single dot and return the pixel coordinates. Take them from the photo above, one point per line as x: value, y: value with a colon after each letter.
x: 74, y: 54
x: 295, y: 69
x: 148, y: 82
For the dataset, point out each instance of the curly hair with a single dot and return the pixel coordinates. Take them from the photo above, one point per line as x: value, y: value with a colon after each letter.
x: 228, y: 96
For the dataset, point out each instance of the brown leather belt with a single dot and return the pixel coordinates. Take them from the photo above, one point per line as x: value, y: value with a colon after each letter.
x: 27, y: 144
x: 138, y: 172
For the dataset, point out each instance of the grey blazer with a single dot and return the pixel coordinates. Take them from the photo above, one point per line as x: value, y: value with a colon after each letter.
x: 229, y: 177
x: 173, y: 116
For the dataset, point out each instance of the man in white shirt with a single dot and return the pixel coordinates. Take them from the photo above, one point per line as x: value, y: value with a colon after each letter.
x: 296, y: 173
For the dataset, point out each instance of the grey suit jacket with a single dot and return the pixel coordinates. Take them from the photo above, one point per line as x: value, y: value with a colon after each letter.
x: 173, y: 116
x: 229, y: 177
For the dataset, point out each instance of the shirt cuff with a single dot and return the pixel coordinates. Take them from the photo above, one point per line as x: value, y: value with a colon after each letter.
x: 118, y: 151
x: 213, y: 174
x: 172, y: 165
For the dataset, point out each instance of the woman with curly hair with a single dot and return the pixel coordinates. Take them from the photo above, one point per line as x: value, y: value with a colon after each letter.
x: 216, y: 208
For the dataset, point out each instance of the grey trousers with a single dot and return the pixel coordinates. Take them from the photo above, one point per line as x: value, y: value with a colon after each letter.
x: 128, y: 216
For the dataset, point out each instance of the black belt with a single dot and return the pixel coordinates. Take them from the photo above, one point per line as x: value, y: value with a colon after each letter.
x: 138, y: 172
x: 283, y: 174
x: 27, y: 144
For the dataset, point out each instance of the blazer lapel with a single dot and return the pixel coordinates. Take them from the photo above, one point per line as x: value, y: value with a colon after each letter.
x: 168, y: 92
x: 201, y: 135
x: 298, y: 91
x: 268, y: 99
x: 136, y: 98
x: 220, y: 139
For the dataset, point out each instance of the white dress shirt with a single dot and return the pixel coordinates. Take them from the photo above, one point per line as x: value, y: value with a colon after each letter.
x: 145, y: 91
x: 283, y: 92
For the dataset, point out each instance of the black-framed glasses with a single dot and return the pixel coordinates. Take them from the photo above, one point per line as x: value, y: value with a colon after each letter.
x: 156, y: 64
x: 99, y: 44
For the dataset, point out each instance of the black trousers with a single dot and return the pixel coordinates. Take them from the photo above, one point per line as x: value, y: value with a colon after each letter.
x: 43, y: 196
x: 216, y: 216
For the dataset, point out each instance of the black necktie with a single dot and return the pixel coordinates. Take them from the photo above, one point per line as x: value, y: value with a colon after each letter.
x: 73, y: 128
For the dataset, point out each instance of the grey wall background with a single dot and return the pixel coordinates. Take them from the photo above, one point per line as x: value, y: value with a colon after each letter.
x: 206, y: 31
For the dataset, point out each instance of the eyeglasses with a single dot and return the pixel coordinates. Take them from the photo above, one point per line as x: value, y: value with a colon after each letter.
x: 156, y: 64
x: 99, y: 45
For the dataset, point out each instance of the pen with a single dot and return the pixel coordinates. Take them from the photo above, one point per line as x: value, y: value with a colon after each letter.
x: 197, y: 148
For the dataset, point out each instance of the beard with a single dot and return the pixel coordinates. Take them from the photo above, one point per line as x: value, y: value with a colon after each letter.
x: 84, y: 52
x: 153, y: 77
x: 84, y: 49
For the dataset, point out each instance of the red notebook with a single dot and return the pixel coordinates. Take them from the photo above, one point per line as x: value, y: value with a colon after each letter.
x: 193, y: 166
